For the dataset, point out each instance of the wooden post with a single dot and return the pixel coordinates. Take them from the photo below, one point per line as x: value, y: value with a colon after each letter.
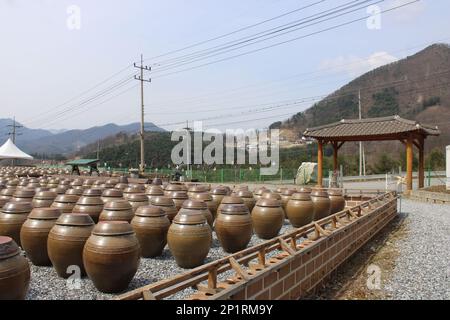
x: 319, y: 163
x: 421, y: 171
x: 335, y: 157
x: 409, y: 164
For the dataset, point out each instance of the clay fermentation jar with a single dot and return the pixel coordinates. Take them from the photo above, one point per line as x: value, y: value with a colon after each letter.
x: 151, y: 224
x: 14, y: 271
x: 43, y: 199
x: 322, y: 204
x: 92, y: 205
x: 137, y: 200
x: 25, y: 195
x: 111, y: 194
x: 75, y: 191
x: 174, y: 187
x: 12, y: 216
x: 66, y: 241
x: 200, y: 206
x: 154, y: 191
x: 178, y: 198
x: 189, y: 238
x: 286, y: 195
x: 34, y: 234
x: 234, y: 227
x: 258, y: 192
x: 111, y: 256
x: 210, y: 203
x: 229, y: 200
x: 65, y: 202
x: 167, y: 205
x: 196, y: 189
x: 131, y: 189
x: 337, y: 200
x: 6, y: 194
x: 248, y: 198
x: 218, y: 193
x: 300, y: 209
x: 267, y: 218
x: 117, y: 210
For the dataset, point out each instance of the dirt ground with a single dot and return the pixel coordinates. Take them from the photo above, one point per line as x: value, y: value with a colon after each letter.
x: 349, y: 281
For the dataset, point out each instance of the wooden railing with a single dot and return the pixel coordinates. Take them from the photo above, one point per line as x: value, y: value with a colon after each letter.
x: 289, y: 243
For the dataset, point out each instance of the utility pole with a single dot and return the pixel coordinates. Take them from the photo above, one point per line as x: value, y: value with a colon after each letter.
x: 188, y: 160
x: 98, y: 149
x: 361, y: 148
x: 13, y: 132
x: 141, y: 79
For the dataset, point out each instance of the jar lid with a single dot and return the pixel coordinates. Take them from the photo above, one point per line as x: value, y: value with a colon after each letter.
x: 75, y: 219
x: 305, y: 189
x: 66, y: 198
x: 194, y: 204
x: 260, y: 190
x: 59, y: 190
x: 113, y: 193
x: 90, y: 201
x: 45, y: 195
x: 154, y: 191
x: 75, y: 191
x: 271, y: 195
x: 137, y: 197
x: 175, y: 187
x: 335, y: 192
x: 17, y: 207
x: 186, y: 216
x: 319, y: 193
x: 301, y: 196
x: 162, y: 201
x: 238, y: 209
x: 232, y: 200
x: 281, y: 189
x: 40, y: 189
x: 24, y: 193
x: 121, y: 186
x: 220, y: 190
x: 112, y: 181
x: 150, y: 211
x: 112, y: 228
x: 7, y: 192
x: 93, y: 192
x: 8, y: 248
x: 178, y: 195
x: 44, y: 214
x: 118, y: 205
x: 133, y: 189
x: 288, y: 192
x: 203, y: 197
x: 157, y: 181
x: 245, y: 193
x: 88, y: 182
x: 268, y: 202
x: 199, y: 188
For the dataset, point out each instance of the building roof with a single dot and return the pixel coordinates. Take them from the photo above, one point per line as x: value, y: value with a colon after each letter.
x: 385, y: 128
x: 82, y: 162
x: 10, y: 151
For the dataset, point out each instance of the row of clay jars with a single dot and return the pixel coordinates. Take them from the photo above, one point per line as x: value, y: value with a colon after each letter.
x: 151, y: 225
x: 12, y: 217
x: 34, y: 234
x: 189, y: 238
x: 267, y: 217
x: 14, y: 271
x: 117, y: 210
x: 233, y: 227
x: 111, y: 255
x: 66, y: 241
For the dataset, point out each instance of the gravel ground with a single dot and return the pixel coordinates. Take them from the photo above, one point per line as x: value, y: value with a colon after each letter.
x: 45, y: 283
x: 422, y: 269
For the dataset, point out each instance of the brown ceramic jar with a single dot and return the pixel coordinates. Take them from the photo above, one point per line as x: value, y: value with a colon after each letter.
x: 229, y: 200
x: 137, y: 200
x: 286, y: 196
x: 6, y: 194
x: 66, y: 242
x: 154, y: 191
x: 210, y: 203
x: 12, y: 216
x: 14, y: 271
x: 259, y: 192
x: 132, y: 189
x: 117, y: 210
x: 34, y: 234
x: 189, y: 238
x: 322, y: 204
x: 90, y: 204
x: 271, y: 195
x: 151, y: 225
x: 200, y: 206
x: 196, y: 189
x: 218, y: 193
x: 300, y: 209
x: 234, y: 227
x: 59, y: 190
x: 178, y: 198
x: 75, y: 191
x: 111, y: 256
x: 157, y: 181
x: 248, y: 198
x: 23, y: 195
x: 337, y: 200
x: 121, y: 186
x: 167, y: 205
x: 111, y: 195
x: 43, y: 199
x: 65, y: 202
x: 267, y: 218
x: 174, y: 187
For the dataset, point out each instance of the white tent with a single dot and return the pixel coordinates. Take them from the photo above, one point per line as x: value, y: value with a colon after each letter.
x: 9, y: 151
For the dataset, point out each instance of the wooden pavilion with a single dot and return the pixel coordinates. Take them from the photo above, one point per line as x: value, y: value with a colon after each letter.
x: 374, y: 129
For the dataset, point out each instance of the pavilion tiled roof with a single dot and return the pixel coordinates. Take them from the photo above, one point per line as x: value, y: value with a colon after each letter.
x: 393, y: 126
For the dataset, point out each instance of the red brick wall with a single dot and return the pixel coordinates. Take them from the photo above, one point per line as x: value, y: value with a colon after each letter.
x: 293, y: 276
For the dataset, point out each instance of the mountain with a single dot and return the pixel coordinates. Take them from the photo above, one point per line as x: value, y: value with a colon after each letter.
x: 45, y: 142
x: 415, y: 88
x: 25, y: 133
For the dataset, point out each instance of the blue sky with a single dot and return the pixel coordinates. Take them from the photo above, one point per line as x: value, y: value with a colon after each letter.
x: 43, y: 63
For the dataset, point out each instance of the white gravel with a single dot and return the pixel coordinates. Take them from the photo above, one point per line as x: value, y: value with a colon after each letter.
x: 422, y: 269
x: 45, y: 283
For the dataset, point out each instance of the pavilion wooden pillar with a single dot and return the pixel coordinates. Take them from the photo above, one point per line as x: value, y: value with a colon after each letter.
x: 409, y: 163
x: 319, y: 163
x: 335, y: 156
x: 421, y: 171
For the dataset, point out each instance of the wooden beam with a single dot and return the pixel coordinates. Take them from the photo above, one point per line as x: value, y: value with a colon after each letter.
x: 237, y: 267
x: 340, y: 144
x: 335, y: 156
x: 409, y: 164
x: 421, y: 171
x: 319, y: 163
